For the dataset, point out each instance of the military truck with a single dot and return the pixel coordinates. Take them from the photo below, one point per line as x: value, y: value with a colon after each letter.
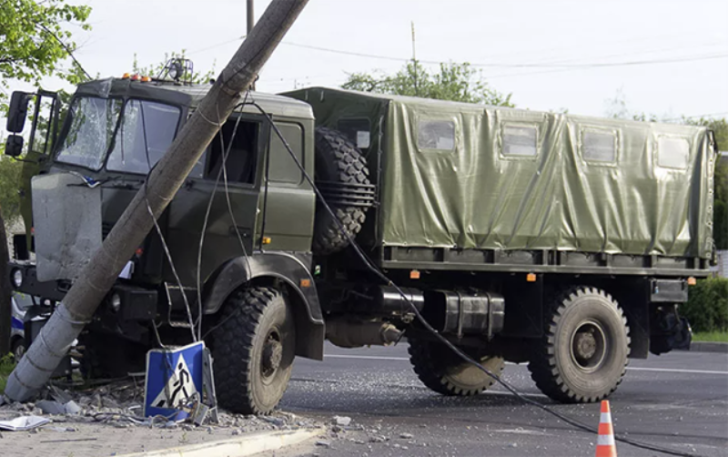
x: 567, y: 242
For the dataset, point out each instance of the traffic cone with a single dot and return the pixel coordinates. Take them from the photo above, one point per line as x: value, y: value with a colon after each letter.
x: 605, y: 440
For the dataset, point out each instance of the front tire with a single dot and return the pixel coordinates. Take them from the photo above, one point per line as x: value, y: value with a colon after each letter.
x: 253, y: 348
x: 443, y: 371
x: 583, y: 354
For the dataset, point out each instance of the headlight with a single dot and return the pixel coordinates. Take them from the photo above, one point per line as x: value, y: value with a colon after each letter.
x: 17, y: 278
x: 115, y: 303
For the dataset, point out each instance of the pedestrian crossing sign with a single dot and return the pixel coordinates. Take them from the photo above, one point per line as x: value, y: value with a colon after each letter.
x: 174, y: 380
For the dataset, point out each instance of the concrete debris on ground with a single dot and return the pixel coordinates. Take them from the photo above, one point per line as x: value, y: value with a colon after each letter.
x: 342, y: 421
x: 323, y: 443
x: 23, y: 423
x: 120, y: 404
x: 80, y: 419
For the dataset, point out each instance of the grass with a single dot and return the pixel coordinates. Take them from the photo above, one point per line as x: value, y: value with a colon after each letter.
x: 6, y: 367
x: 713, y: 337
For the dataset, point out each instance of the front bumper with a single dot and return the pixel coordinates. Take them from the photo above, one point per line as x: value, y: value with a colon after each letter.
x: 133, y: 302
x: 51, y: 290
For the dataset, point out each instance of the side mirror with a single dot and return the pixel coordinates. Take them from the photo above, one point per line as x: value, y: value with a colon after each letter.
x: 17, y: 111
x: 14, y: 146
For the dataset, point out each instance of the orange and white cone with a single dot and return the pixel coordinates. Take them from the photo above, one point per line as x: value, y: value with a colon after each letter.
x: 605, y: 440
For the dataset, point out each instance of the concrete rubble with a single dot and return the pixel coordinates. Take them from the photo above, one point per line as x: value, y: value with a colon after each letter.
x: 120, y: 404
x: 89, y: 417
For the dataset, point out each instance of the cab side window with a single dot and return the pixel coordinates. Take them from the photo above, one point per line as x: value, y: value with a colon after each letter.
x: 242, y: 144
x: 282, y: 168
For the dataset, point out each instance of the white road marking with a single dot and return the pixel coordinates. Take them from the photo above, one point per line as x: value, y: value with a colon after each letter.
x: 660, y: 370
x: 678, y: 370
x: 365, y: 357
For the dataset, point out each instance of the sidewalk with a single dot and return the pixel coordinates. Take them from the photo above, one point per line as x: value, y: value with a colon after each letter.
x: 65, y: 439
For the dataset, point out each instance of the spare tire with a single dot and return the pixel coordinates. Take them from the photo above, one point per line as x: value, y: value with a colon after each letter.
x: 338, y: 161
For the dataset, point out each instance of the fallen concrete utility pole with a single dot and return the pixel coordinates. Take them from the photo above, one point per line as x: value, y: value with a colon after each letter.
x: 97, y: 278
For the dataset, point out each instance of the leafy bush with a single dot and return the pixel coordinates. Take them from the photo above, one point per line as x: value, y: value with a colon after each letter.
x: 7, y: 363
x: 707, y: 307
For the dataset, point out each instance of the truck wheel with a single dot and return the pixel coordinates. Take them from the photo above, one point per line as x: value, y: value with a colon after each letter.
x: 444, y: 372
x: 583, y: 354
x: 253, y: 347
x: 339, y: 161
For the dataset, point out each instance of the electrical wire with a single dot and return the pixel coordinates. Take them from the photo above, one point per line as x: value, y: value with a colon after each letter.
x: 158, y: 229
x: 67, y: 48
x: 539, y: 52
x: 221, y: 173
x: 564, y: 65
x: 378, y: 273
x: 169, y: 259
x: 227, y: 190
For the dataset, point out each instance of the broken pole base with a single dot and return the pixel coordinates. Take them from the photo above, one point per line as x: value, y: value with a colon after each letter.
x: 53, y: 343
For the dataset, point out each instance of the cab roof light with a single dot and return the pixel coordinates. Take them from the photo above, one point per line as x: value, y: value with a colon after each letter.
x: 135, y: 77
x: 146, y: 79
x: 125, y: 76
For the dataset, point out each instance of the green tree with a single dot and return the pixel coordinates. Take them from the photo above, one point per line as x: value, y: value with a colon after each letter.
x: 36, y: 39
x: 9, y: 181
x: 718, y: 126
x: 451, y: 81
x: 720, y: 223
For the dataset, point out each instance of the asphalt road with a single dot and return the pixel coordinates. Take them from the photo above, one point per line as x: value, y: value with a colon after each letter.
x: 678, y: 400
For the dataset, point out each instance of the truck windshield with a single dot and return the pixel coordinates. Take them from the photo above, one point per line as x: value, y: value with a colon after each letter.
x: 92, y: 121
x: 145, y: 133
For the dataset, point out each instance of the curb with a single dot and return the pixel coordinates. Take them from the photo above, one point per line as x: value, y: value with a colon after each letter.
x: 699, y: 346
x: 238, y: 447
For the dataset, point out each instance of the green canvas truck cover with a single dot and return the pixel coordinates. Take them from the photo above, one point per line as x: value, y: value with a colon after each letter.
x: 472, y: 176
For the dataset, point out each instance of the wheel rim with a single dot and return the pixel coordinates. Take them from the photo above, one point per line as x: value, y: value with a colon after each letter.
x: 19, y: 352
x: 271, y: 356
x: 588, y: 346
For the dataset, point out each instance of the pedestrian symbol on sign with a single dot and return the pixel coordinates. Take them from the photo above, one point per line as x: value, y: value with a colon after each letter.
x: 179, y: 388
x: 174, y: 380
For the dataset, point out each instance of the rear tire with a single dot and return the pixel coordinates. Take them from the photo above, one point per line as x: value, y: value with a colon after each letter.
x: 443, y: 371
x: 253, y: 348
x: 337, y: 160
x: 583, y: 354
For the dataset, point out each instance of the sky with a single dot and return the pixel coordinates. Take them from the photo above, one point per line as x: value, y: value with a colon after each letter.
x: 668, y: 58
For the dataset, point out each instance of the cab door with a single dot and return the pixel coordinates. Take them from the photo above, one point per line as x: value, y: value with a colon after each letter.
x: 288, y: 200
x: 233, y: 221
x: 43, y: 134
